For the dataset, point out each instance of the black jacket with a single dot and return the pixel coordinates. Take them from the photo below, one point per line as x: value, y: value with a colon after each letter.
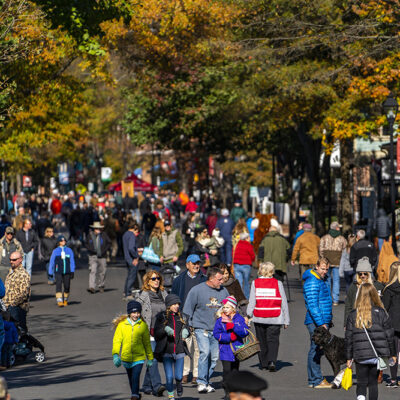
x: 31, y: 243
x: 383, y: 225
x: 47, y: 245
x: 105, y: 244
x: 381, y: 334
x: 178, y: 285
x: 360, y: 249
x: 391, y: 301
x: 166, y: 344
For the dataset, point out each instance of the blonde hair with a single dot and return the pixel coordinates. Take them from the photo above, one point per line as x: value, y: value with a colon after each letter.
x: 394, y: 275
x: 360, y: 282
x: 146, y: 280
x: 156, y: 232
x: 220, y: 311
x: 367, y: 297
x: 118, y: 319
x: 266, y: 269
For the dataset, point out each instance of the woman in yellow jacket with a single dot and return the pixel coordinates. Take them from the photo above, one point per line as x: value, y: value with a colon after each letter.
x: 131, y: 345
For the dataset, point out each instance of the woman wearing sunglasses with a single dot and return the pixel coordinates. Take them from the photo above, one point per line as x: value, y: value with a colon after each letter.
x: 363, y: 275
x: 152, y: 298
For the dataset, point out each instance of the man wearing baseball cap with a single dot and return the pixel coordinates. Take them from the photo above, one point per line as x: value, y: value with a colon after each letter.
x: 244, y: 385
x: 181, y: 287
x: 8, y: 244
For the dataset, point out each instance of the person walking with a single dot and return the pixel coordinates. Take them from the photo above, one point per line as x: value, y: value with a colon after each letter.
x: 131, y: 257
x: 391, y: 302
x: 243, y: 258
x: 318, y: 302
x: 383, y: 227
x: 171, y: 244
x: 244, y: 385
x: 62, y: 267
x: 170, y: 332
x: 8, y: 244
x: 363, y: 275
x: 202, y: 302
x: 131, y: 345
x: 28, y: 239
x: 17, y: 291
x: 269, y: 311
x: 345, y: 269
x: 97, y: 243
x: 46, y: 246
x: 152, y: 298
x: 274, y: 249
x: 230, y: 329
x: 238, y: 212
x: 181, y: 287
x: 225, y: 226
x: 363, y: 248
x: 306, y: 249
x: 369, y: 335
x: 331, y: 247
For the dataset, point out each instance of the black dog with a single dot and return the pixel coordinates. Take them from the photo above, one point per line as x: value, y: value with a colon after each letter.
x: 333, y: 347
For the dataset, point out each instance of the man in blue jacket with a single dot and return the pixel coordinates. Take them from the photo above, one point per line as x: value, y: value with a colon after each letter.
x: 318, y: 301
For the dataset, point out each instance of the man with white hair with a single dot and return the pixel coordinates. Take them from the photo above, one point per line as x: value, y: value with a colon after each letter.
x: 331, y: 247
x: 225, y: 226
x: 363, y: 248
x: 273, y: 248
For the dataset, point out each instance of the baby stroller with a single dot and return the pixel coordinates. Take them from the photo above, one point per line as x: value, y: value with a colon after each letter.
x: 169, y: 272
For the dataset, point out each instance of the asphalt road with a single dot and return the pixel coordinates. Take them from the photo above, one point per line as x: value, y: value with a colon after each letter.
x: 78, y: 342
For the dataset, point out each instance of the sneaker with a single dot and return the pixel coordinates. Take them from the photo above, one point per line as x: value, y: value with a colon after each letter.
x: 91, y: 290
x: 210, y: 389
x: 392, y: 384
x: 335, y: 304
x: 202, y: 388
x: 323, y: 385
x: 160, y: 391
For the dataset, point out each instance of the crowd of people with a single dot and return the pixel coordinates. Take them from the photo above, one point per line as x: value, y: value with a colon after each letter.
x: 191, y: 299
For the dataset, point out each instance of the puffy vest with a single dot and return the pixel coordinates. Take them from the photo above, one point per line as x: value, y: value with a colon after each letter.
x: 268, y: 298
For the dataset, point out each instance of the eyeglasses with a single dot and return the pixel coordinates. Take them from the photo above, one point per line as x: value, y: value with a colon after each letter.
x: 362, y: 273
x: 157, y: 278
x: 14, y: 259
x: 9, y: 233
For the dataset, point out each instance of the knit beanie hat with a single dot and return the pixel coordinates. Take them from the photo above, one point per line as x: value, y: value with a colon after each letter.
x: 364, y: 265
x: 231, y: 301
x: 172, y: 299
x: 133, y: 306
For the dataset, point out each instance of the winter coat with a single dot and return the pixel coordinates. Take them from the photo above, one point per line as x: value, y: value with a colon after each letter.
x: 274, y: 248
x: 7, y: 248
x: 233, y: 287
x: 105, y: 244
x: 171, y: 245
x: 344, y: 265
x: 58, y: 265
x: 386, y: 259
x: 237, y: 213
x: 360, y: 249
x: 381, y: 334
x: 178, y: 285
x: 383, y: 225
x: 166, y: 344
x: 223, y: 335
x: 17, y: 288
x: 317, y: 297
x: 391, y: 301
x: 144, y: 300
x: 352, y: 295
x: 46, y: 247
x: 29, y: 244
x: 225, y: 225
x: 130, y: 247
x: 243, y: 253
x: 133, y: 342
x: 306, y: 248
x: 332, y: 247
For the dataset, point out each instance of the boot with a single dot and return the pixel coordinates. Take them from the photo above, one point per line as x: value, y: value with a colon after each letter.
x: 179, y: 388
x: 59, y: 298
x: 66, y: 295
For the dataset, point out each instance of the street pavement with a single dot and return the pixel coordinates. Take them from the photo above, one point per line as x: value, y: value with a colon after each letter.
x: 78, y: 342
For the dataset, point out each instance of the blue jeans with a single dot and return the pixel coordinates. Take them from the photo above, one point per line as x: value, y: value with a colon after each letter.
x: 314, y: 360
x: 242, y: 274
x: 28, y: 261
x: 334, y: 283
x: 152, y: 379
x: 170, y: 365
x: 134, y: 379
x: 130, y: 279
x: 348, y: 278
x: 226, y: 253
x: 208, y: 349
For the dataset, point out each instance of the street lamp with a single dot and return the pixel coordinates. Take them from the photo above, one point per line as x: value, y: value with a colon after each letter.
x: 390, y: 107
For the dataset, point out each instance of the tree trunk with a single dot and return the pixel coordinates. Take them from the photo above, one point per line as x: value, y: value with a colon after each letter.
x: 346, y: 155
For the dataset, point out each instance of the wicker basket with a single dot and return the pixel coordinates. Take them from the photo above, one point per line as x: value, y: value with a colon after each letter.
x: 250, y: 348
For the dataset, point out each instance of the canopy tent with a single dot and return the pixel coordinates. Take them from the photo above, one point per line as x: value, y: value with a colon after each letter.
x: 139, y: 185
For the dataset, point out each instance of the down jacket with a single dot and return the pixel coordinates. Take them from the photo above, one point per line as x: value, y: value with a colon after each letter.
x: 317, y: 297
x: 391, y: 301
x: 381, y: 334
x: 223, y: 335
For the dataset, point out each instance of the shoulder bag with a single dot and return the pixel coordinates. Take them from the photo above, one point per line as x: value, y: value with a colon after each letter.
x: 381, y: 362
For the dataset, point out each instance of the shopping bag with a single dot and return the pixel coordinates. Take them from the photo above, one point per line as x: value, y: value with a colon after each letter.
x: 150, y: 255
x: 347, y: 380
x: 338, y: 378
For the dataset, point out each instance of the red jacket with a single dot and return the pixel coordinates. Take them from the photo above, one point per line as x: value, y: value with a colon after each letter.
x: 243, y: 253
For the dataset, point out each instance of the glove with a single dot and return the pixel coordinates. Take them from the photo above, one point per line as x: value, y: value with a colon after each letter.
x: 71, y: 275
x: 229, y: 326
x: 169, y: 331
x: 117, y: 360
x: 233, y: 337
x: 185, y: 333
x: 149, y: 363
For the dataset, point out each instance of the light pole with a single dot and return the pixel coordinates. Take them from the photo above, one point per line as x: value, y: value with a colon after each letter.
x: 390, y: 107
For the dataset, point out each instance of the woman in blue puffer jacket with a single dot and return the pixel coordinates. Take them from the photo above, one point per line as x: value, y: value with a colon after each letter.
x: 230, y: 328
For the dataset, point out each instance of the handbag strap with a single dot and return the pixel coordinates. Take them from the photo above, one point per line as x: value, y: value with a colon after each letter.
x: 253, y: 339
x: 370, y: 341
